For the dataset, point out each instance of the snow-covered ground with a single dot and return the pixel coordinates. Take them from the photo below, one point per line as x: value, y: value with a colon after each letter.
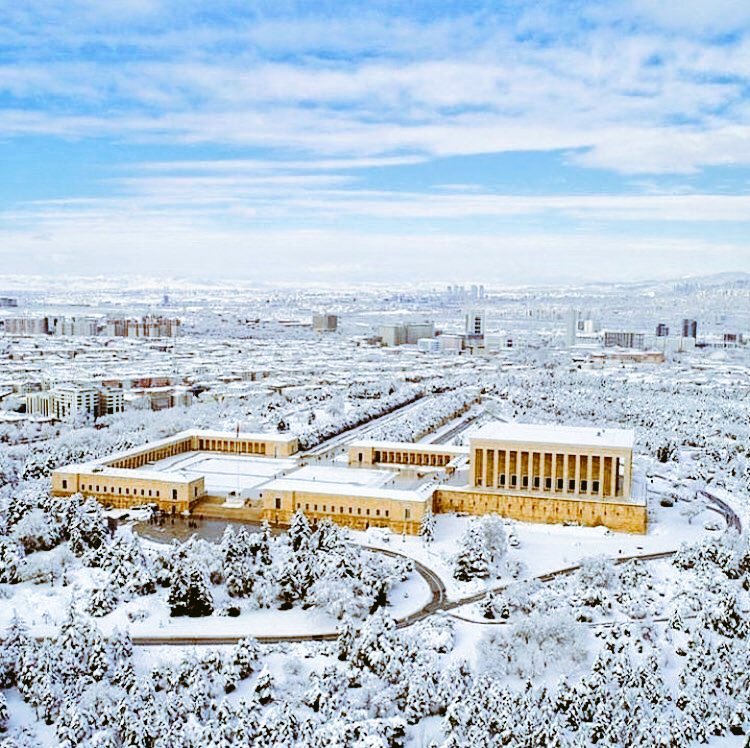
x: 544, y: 548
x: 43, y: 607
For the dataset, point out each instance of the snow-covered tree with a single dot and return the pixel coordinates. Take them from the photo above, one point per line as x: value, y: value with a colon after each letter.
x: 11, y: 558
x: 190, y: 594
x: 4, y: 715
x: 264, y: 687
x: 427, y: 527
x: 495, y: 541
x: 472, y: 560
x: 299, y: 531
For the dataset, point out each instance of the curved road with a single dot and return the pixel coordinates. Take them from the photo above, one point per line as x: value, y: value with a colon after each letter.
x: 439, y: 601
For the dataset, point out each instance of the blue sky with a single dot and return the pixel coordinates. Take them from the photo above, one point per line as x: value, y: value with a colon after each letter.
x: 507, y: 142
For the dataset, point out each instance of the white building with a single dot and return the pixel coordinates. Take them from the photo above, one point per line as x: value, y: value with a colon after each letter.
x: 26, y: 326
x: 68, y: 402
x: 325, y: 322
x: 475, y: 323
x: 417, y: 330
x: 73, y: 401
x: 40, y: 404
x: 429, y: 345
x: 571, y: 328
x: 406, y: 334
x: 452, y: 343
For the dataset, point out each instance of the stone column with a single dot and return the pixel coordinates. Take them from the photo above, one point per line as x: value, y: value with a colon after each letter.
x: 613, y: 477
x: 566, y: 467
x: 628, y: 469
x: 542, y: 467
x: 578, y: 474
x: 519, y: 463
x: 553, y: 468
x: 601, y: 476
x: 530, y: 470
x: 507, y: 469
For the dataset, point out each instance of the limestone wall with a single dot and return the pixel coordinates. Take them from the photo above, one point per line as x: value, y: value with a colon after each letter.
x: 619, y: 516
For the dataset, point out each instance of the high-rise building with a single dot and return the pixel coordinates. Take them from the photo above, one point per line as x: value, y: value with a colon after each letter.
x: 475, y: 323
x: 571, y: 328
x: 689, y: 328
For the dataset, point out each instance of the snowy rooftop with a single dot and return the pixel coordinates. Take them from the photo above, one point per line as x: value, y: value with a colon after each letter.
x: 341, y: 489
x: 555, y: 434
x: 260, y: 436
x: 204, y: 433
x: 93, y: 471
x: 405, y: 446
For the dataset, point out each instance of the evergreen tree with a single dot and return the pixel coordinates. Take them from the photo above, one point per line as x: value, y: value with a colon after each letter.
x: 102, y: 600
x: 489, y: 605
x: 14, y: 645
x: 675, y: 620
x: 345, y: 639
x: 231, y: 677
x: 264, y: 687
x: 190, y: 594
x: 120, y: 646
x: 299, y: 531
x: 472, y: 561
x: 98, y: 660
x: 495, y: 541
x: 292, y: 583
x: 245, y: 656
x: 47, y: 698
x: 70, y: 728
x: 239, y: 579
x: 11, y: 558
x: 427, y: 527
x: 4, y: 716
x: 280, y: 726
x: 260, y: 545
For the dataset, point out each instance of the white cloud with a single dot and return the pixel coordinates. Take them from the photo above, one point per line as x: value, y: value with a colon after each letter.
x: 467, y: 85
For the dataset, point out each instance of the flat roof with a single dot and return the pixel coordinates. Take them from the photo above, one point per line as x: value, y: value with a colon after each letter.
x: 93, y: 471
x: 341, y: 489
x: 188, y: 434
x: 543, y: 433
x: 258, y: 437
x: 406, y: 446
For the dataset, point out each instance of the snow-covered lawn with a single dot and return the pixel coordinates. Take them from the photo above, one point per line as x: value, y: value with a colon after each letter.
x: 544, y: 548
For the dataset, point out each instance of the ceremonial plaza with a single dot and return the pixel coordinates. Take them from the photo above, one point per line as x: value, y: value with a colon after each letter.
x: 529, y: 472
